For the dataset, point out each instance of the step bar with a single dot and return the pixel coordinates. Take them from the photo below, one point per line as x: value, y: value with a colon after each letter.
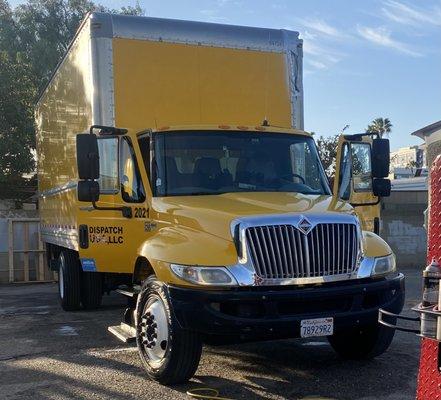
x: 126, y: 331
x: 123, y: 332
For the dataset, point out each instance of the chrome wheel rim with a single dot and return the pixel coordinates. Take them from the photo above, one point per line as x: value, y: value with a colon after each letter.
x: 154, y: 329
x: 61, y: 277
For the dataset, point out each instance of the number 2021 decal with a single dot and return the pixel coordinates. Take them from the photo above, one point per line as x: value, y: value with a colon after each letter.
x: 140, y: 212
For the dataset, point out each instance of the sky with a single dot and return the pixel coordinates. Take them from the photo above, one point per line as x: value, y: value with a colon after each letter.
x: 362, y: 59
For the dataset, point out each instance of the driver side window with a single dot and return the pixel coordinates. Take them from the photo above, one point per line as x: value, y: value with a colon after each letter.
x: 361, y: 167
x: 355, y: 169
x: 132, y: 189
x: 108, y: 151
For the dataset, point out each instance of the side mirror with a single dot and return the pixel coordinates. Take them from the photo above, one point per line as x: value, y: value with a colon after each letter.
x: 88, y: 191
x: 88, y: 159
x: 380, y: 158
x: 381, y: 187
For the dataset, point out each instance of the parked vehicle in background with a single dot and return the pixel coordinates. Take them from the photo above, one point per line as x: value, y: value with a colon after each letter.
x: 173, y: 166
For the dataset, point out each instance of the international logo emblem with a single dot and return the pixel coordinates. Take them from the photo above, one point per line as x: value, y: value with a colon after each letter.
x: 304, y: 225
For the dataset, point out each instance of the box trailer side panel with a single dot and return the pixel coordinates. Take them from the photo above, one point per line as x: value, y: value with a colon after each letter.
x: 64, y: 109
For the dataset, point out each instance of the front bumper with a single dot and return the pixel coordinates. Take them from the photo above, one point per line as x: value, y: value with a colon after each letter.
x: 276, y: 312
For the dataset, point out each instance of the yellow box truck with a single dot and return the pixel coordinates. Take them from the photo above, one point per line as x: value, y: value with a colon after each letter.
x: 173, y: 167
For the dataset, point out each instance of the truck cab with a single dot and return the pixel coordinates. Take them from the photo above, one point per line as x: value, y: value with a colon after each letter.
x: 238, y: 236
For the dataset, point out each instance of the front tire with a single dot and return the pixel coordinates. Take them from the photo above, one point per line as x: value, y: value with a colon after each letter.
x: 168, y: 353
x: 364, y: 343
x: 69, y: 287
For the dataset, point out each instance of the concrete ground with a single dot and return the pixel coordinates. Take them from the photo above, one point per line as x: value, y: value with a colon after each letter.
x: 46, y: 353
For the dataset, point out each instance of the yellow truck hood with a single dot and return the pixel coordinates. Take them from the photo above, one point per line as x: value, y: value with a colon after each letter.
x: 213, y: 214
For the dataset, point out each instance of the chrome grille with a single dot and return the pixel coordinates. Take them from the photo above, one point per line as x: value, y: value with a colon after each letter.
x: 283, y: 252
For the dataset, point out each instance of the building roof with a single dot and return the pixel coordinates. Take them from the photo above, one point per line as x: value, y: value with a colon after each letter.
x: 427, y: 130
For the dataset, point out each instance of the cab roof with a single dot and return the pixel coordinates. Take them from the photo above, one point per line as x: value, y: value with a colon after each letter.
x: 232, y: 127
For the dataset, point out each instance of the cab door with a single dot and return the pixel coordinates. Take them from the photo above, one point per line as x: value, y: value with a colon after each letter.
x: 362, y: 166
x: 111, y: 233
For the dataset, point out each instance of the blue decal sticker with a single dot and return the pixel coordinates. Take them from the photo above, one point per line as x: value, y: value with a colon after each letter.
x: 88, y: 264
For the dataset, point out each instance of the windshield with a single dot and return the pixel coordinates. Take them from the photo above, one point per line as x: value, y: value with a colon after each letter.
x: 215, y: 162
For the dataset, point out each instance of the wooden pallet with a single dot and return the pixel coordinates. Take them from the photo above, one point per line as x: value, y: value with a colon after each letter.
x: 26, y: 250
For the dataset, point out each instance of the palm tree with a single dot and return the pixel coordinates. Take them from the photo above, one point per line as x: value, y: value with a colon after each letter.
x: 380, y: 126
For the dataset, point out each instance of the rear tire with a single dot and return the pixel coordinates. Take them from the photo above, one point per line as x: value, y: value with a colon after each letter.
x: 168, y: 353
x: 91, y: 289
x: 364, y: 343
x: 69, y: 289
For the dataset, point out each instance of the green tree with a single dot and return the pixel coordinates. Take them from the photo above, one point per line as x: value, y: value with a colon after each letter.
x: 33, y: 38
x: 8, y: 39
x: 380, y: 126
x: 412, y: 165
x: 327, y: 148
x: 17, y: 95
x: 16, y: 117
x: 46, y: 28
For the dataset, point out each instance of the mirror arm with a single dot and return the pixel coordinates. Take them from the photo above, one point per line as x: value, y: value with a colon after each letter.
x: 126, y: 211
x: 108, y: 130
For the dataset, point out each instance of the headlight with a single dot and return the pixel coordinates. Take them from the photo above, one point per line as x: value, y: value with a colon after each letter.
x: 375, y: 266
x: 384, y: 265
x: 215, y: 276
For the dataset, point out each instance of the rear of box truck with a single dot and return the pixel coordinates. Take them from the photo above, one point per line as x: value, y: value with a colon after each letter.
x: 168, y: 84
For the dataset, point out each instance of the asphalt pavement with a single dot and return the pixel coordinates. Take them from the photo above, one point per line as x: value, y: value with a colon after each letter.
x: 46, y: 353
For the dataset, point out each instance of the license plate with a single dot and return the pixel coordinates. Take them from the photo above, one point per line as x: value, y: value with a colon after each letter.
x: 317, y: 327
